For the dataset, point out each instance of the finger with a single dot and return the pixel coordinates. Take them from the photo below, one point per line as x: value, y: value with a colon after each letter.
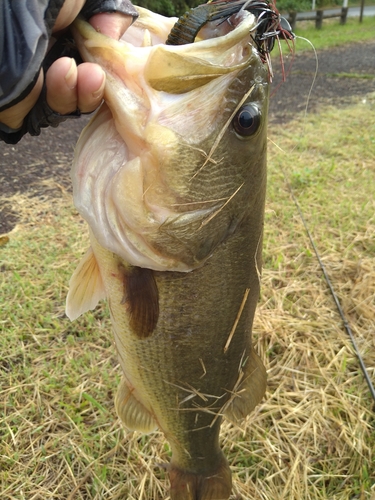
x: 69, y: 11
x: 61, y: 83
x: 113, y: 24
x: 91, y: 83
x: 13, y: 117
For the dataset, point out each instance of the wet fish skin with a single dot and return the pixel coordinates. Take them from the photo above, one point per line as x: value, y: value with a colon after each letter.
x: 184, y: 365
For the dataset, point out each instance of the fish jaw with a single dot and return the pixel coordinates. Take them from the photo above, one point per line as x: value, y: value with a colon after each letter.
x: 135, y: 208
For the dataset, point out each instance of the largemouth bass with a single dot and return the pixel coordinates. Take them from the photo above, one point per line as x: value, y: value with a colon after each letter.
x: 170, y: 176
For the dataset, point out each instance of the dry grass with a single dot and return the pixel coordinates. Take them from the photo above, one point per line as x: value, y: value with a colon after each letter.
x: 313, y: 436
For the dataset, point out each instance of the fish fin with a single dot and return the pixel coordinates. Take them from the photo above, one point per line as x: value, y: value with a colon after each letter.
x: 132, y: 412
x: 141, y: 297
x: 214, y: 485
x: 86, y: 287
x: 250, y: 391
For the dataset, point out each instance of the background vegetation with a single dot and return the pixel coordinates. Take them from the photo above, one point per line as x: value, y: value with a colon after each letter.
x: 168, y: 7
x: 179, y: 7
x: 332, y: 34
x: 305, y: 5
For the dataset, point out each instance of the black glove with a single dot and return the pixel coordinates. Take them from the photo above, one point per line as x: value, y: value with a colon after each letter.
x: 25, y: 31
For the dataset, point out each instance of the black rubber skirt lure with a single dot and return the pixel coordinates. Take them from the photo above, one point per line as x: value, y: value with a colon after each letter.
x: 270, y: 25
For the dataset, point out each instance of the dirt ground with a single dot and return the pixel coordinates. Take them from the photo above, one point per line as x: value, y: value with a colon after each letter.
x: 25, y: 166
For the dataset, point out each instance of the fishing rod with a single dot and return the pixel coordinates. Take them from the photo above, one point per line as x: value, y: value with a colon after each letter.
x: 334, y: 295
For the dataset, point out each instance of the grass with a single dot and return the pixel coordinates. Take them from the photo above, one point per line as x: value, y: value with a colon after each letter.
x: 313, y: 436
x: 332, y: 34
x: 365, y: 76
x: 332, y: 173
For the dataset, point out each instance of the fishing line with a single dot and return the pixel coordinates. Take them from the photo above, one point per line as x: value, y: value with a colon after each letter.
x: 290, y: 67
x: 316, y: 71
x: 336, y: 299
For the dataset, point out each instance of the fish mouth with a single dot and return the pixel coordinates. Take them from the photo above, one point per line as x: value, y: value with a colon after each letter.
x: 160, y: 28
x: 220, y: 48
x: 128, y: 196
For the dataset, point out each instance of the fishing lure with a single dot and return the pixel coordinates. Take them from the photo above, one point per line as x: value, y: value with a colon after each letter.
x: 270, y: 25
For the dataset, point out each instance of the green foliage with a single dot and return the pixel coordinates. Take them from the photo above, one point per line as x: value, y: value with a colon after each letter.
x: 179, y: 7
x: 168, y: 7
x: 332, y: 34
x: 293, y: 5
x: 305, y: 5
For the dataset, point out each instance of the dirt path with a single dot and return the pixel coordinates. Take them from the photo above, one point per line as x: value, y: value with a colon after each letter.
x: 343, y: 72
x: 27, y: 165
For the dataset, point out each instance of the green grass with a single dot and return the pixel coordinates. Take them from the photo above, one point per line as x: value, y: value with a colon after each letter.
x: 332, y: 34
x: 365, y: 76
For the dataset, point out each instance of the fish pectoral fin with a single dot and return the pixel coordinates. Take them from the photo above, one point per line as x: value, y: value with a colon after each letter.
x: 134, y: 415
x: 142, y: 300
x: 86, y: 287
x: 250, y: 391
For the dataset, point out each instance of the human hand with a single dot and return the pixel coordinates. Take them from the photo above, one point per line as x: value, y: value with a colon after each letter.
x: 70, y: 86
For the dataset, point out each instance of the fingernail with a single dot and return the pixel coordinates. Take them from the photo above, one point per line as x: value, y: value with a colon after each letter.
x: 99, y: 92
x: 71, y: 76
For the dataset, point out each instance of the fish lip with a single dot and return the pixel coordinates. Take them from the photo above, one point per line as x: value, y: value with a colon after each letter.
x: 243, y: 23
x: 236, y: 20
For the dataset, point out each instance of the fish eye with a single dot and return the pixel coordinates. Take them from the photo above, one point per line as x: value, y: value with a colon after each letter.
x: 247, y: 120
